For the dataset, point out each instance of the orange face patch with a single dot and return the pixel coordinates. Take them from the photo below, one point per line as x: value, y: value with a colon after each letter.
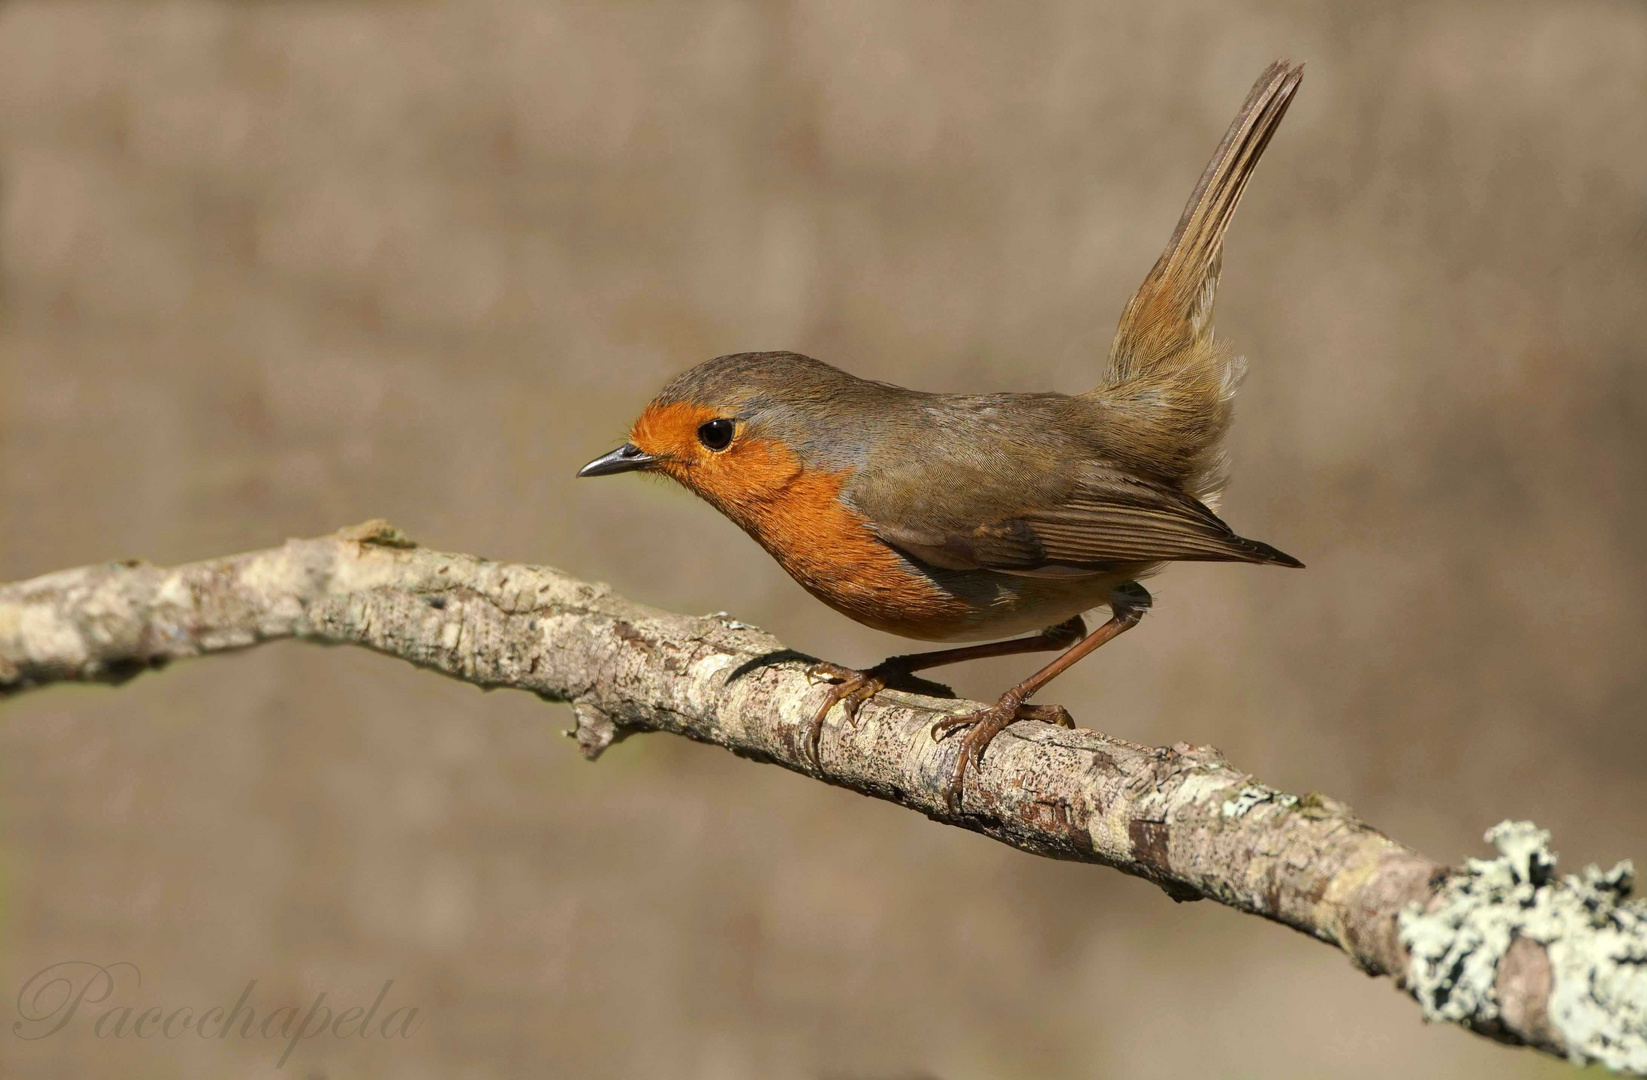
x: 747, y: 470
x: 797, y: 515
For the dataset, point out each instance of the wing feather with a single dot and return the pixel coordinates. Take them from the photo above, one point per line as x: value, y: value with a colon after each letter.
x: 1107, y: 520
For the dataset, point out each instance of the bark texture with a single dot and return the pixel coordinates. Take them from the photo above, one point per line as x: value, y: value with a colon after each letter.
x: 1502, y: 946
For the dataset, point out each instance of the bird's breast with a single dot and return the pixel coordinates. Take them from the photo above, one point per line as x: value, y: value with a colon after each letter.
x: 830, y: 549
x: 833, y: 552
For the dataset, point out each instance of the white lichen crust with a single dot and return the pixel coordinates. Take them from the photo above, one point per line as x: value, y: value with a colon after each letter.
x: 1475, y: 951
x: 1499, y: 947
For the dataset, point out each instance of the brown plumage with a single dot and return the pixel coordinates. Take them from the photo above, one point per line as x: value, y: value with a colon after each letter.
x: 952, y: 517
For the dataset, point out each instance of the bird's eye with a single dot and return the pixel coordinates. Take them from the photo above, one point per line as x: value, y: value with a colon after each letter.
x: 716, y: 434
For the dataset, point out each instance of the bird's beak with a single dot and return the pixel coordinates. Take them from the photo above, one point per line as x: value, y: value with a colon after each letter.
x: 626, y: 458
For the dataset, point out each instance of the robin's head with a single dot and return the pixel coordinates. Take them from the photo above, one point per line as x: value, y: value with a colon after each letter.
x: 739, y: 427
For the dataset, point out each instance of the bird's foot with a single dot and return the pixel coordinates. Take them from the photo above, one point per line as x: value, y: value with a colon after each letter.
x: 982, y: 729
x: 852, y: 688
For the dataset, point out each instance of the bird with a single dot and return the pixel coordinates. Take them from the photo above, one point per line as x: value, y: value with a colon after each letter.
x: 977, y: 517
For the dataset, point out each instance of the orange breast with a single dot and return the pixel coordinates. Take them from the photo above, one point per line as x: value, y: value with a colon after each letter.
x: 796, y: 513
x: 831, y: 551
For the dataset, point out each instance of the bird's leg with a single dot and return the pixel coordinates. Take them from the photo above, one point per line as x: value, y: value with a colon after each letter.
x: 853, y: 688
x: 1127, y: 606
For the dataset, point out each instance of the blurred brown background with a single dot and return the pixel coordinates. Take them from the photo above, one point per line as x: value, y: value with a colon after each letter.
x: 275, y: 268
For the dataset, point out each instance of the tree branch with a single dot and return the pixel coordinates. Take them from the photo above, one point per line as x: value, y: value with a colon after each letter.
x: 1502, y: 946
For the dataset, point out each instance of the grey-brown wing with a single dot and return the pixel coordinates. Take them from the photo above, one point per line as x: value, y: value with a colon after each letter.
x: 1103, y: 520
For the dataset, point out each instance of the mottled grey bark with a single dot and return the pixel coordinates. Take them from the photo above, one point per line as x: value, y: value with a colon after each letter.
x: 1502, y: 946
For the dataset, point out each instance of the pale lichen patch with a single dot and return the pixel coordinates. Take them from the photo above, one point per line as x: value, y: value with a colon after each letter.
x: 706, y: 677
x: 729, y: 622
x: 40, y: 632
x: 1594, y: 938
x: 173, y: 590
x: 1252, y: 797
x: 283, y: 574
x: 1200, y: 786
x: 1108, y: 831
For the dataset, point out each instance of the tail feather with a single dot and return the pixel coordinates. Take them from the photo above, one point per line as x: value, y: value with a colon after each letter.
x: 1170, y: 385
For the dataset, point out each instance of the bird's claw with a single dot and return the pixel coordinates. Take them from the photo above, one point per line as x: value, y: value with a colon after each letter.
x: 982, y: 728
x: 851, y: 690
x: 824, y: 671
x: 1047, y: 714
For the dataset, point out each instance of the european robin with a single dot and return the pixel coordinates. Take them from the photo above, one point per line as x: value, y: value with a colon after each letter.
x: 957, y: 517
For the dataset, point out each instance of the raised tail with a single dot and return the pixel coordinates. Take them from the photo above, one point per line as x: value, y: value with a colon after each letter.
x: 1170, y: 386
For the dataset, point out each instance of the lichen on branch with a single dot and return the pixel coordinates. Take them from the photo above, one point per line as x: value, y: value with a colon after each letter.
x: 1589, y: 995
